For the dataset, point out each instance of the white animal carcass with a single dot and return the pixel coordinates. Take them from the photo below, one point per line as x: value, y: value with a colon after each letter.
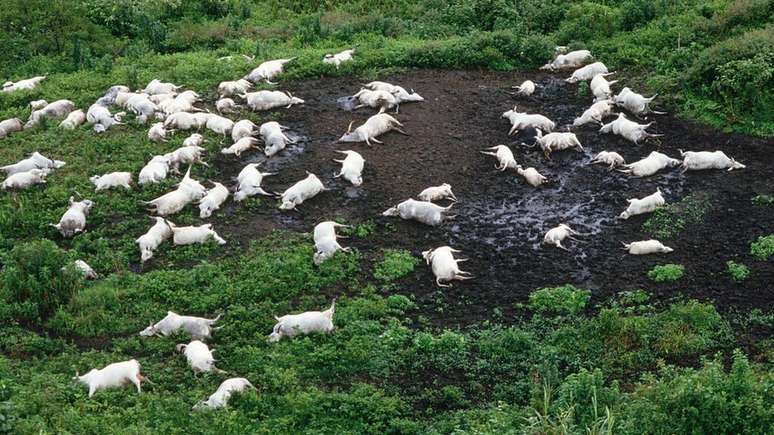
x: 635, y: 103
x: 531, y: 176
x: 30, y: 83
x: 291, y: 325
x: 644, y: 205
x: 73, y: 221
x: 351, y: 167
x: 573, y: 59
x: 151, y: 240
x: 596, y: 113
x: 504, y: 155
x: 154, y: 171
x: 249, y: 182
x: 303, y: 190
x: 557, y: 142
x: 57, y: 109
x: 226, y: 105
x: 156, y: 86
x: 267, y: 70
x: 74, y: 120
x: 420, y: 211
x: 338, y: 58
x: 648, y: 166
x: 199, y: 357
x: 23, y: 180
x: 521, y: 121
x: 629, y: 130
x: 113, y: 375
x: 610, y: 158
x: 213, y: 200
x: 587, y: 72
x: 8, y: 126
x: 34, y: 161
x: 437, y: 193
x: 111, y: 180
x: 700, y: 160
x: 646, y: 247
x: 374, y: 126
x: 600, y: 87
x: 381, y: 100
x: 526, y: 88
x: 267, y: 100
x: 192, y: 234
x: 198, y: 328
x: 399, y: 92
x: 221, y: 396
x: 230, y: 88
x: 555, y: 236
x: 445, y: 267
x: 240, y: 146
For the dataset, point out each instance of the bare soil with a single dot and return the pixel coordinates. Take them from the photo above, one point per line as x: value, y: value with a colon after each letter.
x: 501, y: 220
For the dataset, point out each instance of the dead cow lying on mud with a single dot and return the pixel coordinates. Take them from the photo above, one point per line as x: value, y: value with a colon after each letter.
x: 420, y: 211
x: 445, y: 267
x: 374, y: 126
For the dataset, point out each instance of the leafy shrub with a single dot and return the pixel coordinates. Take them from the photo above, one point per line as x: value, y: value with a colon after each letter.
x: 763, y: 248
x: 34, y: 284
x: 670, y: 220
x: 559, y: 300
x: 666, y: 272
x: 396, y: 263
x: 738, y: 271
x: 707, y: 400
x: 763, y: 200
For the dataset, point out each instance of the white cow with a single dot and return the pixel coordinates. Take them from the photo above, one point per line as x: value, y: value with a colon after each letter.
x: 610, y: 158
x: 629, y: 130
x: 504, y: 155
x: 267, y: 100
x: 26, y: 179
x: 437, y: 193
x: 374, y: 126
x: 645, y: 205
x: 192, y: 234
x: 700, y: 160
x: 73, y: 220
x: 249, y: 182
x: 213, y: 200
x: 351, y: 167
x: 151, y: 240
x: 199, y: 357
x: 573, y: 59
x: 303, y: 190
x: 556, y: 235
x: 305, y: 323
x: 267, y: 70
x: 221, y: 396
x: 338, y: 58
x: 198, y: 328
x: 445, y: 267
x: 587, y: 72
x: 113, y: 375
x: 646, y: 247
x: 111, y: 180
x: 648, y: 166
x: 420, y: 211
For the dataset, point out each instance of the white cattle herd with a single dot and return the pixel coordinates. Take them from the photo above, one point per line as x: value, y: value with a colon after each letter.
x: 175, y: 110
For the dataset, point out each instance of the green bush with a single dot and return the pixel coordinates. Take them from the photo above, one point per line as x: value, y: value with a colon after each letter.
x: 670, y: 220
x: 666, y: 272
x: 34, y: 284
x: 395, y: 264
x: 559, y: 300
x: 763, y: 248
x: 738, y: 271
x: 707, y: 400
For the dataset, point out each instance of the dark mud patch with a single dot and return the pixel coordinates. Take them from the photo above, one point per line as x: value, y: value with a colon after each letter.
x: 500, y: 219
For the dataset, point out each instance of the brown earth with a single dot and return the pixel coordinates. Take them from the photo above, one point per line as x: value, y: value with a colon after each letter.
x: 500, y: 219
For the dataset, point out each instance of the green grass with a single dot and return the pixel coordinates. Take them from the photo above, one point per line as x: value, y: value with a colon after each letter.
x: 559, y: 300
x: 395, y: 264
x: 666, y: 273
x: 738, y: 271
x: 669, y: 221
x: 763, y: 248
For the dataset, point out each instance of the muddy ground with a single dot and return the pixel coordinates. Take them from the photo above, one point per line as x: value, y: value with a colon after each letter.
x: 500, y: 219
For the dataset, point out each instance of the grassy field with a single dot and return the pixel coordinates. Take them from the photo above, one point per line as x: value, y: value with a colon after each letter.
x: 562, y: 365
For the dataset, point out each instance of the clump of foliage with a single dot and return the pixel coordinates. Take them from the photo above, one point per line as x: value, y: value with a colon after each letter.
x: 666, y: 272
x: 559, y: 300
x: 763, y: 248
x: 763, y: 200
x: 395, y: 264
x: 36, y: 281
x: 669, y: 221
x: 738, y: 271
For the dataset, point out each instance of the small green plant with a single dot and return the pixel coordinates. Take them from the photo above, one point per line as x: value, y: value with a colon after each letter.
x: 670, y: 220
x: 560, y: 300
x: 666, y: 272
x: 396, y: 263
x: 763, y: 248
x: 763, y: 200
x: 738, y: 271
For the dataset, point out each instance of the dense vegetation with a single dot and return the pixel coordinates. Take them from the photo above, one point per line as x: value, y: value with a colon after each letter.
x: 565, y: 363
